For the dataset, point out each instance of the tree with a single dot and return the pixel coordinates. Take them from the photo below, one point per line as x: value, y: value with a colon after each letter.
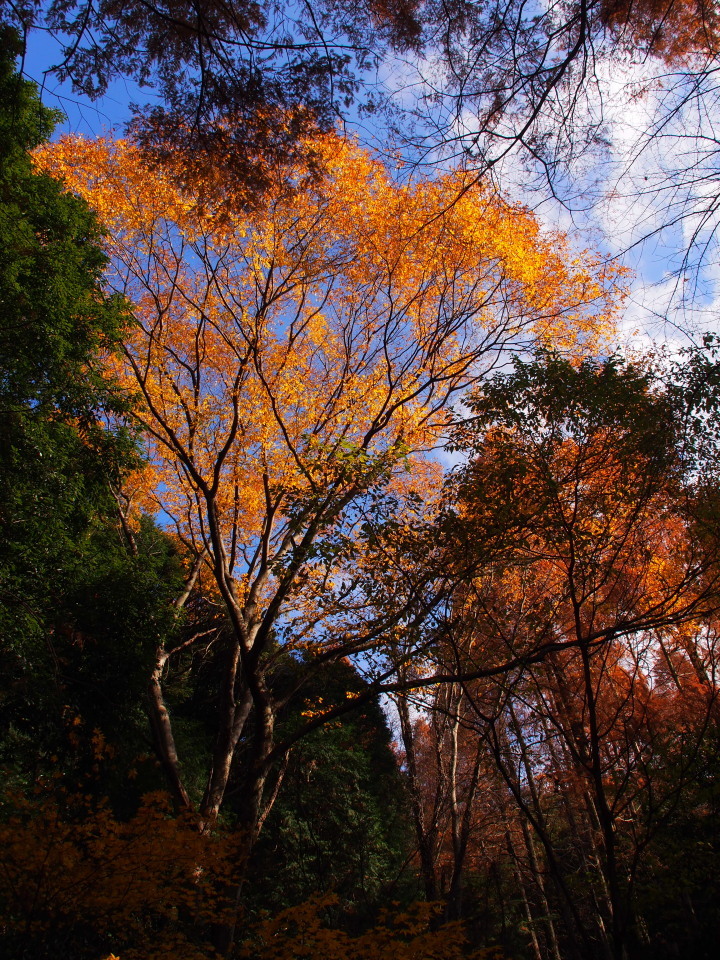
x: 290, y: 364
x: 339, y: 819
x: 676, y: 31
x: 611, y: 563
x: 444, y: 772
x: 78, y: 608
x: 56, y: 457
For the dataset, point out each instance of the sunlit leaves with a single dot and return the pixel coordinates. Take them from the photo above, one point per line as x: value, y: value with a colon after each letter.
x: 313, y: 345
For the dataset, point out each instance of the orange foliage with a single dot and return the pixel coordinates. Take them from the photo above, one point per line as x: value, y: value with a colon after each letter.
x: 323, y: 336
x: 602, y: 542
x: 148, y: 888
x: 300, y: 933
x: 604, y: 588
x: 677, y: 31
x: 292, y: 362
x: 155, y: 888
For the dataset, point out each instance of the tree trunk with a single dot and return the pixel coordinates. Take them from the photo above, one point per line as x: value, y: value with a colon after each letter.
x: 425, y: 836
x: 163, y: 739
x: 231, y: 726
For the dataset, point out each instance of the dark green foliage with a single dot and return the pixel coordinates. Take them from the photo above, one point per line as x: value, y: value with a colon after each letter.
x: 79, y: 614
x: 525, y: 418
x: 56, y: 458
x: 340, y: 820
x: 556, y: 400
x: 54, y: 317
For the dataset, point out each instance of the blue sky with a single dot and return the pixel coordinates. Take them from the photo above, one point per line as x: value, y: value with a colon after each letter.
x: 83, y: 117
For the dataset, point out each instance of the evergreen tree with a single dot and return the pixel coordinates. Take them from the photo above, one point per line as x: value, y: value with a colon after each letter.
x: 78, y: 612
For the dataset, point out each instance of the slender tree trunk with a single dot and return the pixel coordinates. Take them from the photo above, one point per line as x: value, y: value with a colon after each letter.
x: 523, y: 891
x: 577, y: 756
x: 620, y: 909
x: 163, y: 738
x: 251, y: 813
x: 540, y: 884
x: 232, y: 723
x: 160, y: 723
x: 536, y: 817
x: 425, y: 836
x: 462, y: 827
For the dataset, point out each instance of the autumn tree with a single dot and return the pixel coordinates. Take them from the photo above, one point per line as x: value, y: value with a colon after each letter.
x: 675, y: 30
x: 611, y: 567
x: 290, y: 367
x: 446, y: 770
x: 483, y: 79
